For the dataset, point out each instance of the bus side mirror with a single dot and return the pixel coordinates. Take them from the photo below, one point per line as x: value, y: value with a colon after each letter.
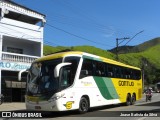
x: 58, y: 67
x: 20, y: 74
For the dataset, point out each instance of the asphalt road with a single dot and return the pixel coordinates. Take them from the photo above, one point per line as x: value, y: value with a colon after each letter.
x: 142, y: 110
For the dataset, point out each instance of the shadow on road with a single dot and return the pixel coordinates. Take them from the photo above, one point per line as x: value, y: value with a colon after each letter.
x: 150, y: 104
x: 96, y: 111
x: 72, y: 113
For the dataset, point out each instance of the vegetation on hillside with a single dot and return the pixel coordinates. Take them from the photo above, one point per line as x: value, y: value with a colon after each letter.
x: 146, y: 45
x: 145, y: 56
x: 88, y: 49
x: 135, y: 49
x: 148, y: 59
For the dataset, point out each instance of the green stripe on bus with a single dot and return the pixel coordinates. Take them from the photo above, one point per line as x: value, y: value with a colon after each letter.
x: 91, y: 58
x: 106, y: 88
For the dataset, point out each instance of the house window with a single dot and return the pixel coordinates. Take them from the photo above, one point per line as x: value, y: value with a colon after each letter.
x: 15, y: 50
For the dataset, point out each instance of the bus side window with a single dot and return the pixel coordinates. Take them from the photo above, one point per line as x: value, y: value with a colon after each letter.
x: 117, y: 71
x: 66, y: 74
x: 110, y: 71
x: 73, y: 68
x: 87, y: 68
x: 137, y: 74
x: 122, y: 72
x: 132, y: 74
x: 99, y: 68
x: 126, y: 75
x: 84, y: 73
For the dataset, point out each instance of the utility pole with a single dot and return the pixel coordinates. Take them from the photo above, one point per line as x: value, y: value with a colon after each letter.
x: 117, y: 45
x: 144, y: 64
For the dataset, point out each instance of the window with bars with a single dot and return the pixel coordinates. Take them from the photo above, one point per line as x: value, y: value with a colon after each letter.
x: 15, y: 50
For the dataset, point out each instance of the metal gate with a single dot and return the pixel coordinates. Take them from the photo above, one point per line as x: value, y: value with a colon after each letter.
x: 12, y: 89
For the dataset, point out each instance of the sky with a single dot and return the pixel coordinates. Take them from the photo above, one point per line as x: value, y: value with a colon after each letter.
x: 97, y: 22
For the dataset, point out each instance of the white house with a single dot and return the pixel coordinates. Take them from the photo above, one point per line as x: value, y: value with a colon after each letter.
x: 21, y: 42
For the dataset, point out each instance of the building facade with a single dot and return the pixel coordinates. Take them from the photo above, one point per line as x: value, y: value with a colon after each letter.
x: 21, y: 42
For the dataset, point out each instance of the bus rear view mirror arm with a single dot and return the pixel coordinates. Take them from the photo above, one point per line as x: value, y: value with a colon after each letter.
x: 20, y: 74
x: 58, y: 67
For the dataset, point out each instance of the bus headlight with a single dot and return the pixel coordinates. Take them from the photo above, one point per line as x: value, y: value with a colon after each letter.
x: 54, y: 98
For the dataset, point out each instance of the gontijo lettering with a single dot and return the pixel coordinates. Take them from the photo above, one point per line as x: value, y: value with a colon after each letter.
x: 125, y: 83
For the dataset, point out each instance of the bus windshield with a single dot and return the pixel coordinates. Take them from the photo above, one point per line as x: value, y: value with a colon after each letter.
x: 41, y: 77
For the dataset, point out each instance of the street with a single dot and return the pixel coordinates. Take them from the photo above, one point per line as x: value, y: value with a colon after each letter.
x: 141, y: 110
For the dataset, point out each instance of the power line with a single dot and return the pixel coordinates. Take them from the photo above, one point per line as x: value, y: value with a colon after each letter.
x: 49, y: 43
x: 76, y: 35
x: 117, y: 45
x: 86, y: 16
x: 69, y: 32
x: 134, y: 37
x: 32, y: 37
x: 91, y: 20
x: 11, y: 35
x: 46, y: 42
x: 107, y: 30
x: 16, y: 31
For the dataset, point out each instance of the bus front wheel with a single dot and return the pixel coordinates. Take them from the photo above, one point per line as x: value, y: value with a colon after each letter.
x: 83, y: 105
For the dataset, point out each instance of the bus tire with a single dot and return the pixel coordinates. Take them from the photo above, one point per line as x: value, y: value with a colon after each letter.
x: 133, y: 99
x: 83, y: 105
x: 128, y: 100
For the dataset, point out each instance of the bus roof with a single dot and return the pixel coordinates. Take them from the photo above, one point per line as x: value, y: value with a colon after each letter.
x: 85, y: 55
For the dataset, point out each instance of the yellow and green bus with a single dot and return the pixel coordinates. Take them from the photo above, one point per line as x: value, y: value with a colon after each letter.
x: 78, y: 81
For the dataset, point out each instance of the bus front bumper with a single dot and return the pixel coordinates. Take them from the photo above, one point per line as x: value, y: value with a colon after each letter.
x: 48, y: 106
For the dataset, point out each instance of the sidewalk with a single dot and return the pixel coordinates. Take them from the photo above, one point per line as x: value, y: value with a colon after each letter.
x: 12, y: 106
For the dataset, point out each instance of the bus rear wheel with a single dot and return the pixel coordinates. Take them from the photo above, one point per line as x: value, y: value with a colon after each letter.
x: 133, y: 99
x: 128, y: 100
x: 83, y: 105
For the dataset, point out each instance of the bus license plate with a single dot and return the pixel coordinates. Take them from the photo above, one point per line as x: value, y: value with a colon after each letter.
x: 34, y: 99
x: 37, y: 107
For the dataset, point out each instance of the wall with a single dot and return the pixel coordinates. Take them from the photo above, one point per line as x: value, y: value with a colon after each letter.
x: 29, y: 47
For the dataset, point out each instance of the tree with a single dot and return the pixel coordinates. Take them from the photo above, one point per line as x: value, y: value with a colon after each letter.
x: 157, y: 76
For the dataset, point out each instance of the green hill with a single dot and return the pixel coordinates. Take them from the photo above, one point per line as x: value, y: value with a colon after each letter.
x: 146, y: 55
x: 88, y: 49
x: 122, y: 49
x: 146, y: 45
x: 50, y: 49
x: 149, y: 59
x: 151, y: 55
x: 139, y: 48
